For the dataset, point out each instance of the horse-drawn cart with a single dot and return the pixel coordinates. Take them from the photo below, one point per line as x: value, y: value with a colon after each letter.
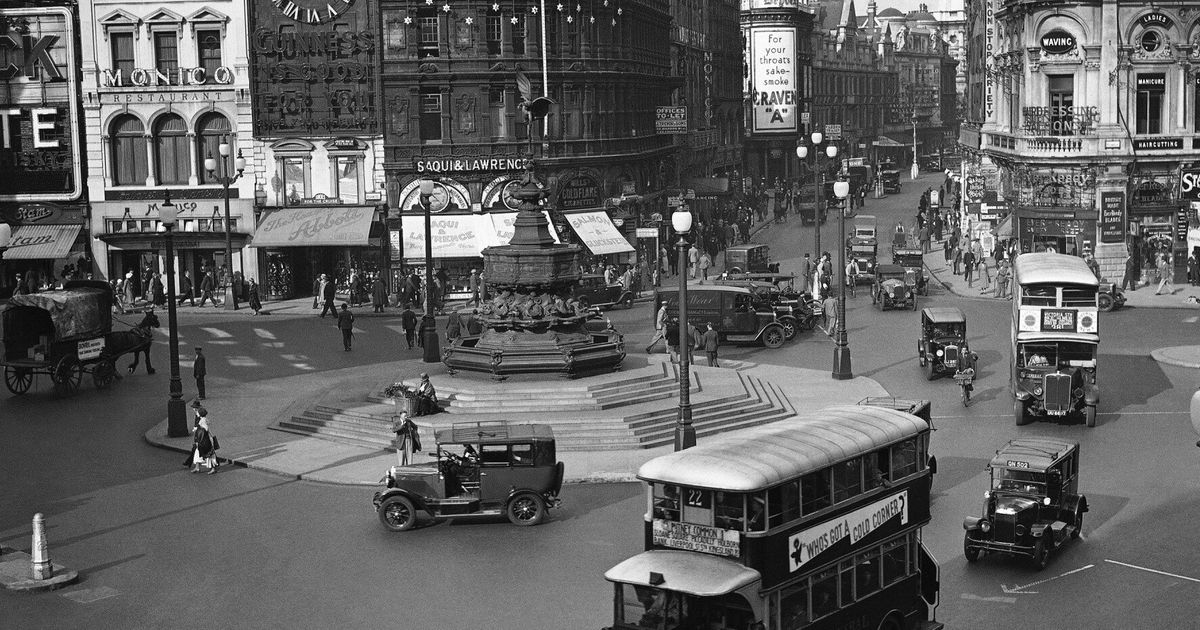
x: 65, y: 334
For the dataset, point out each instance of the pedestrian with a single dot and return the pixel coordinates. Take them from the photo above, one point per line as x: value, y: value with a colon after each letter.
x: 660, y: 328
x: 666, y: 264
x: 610, y: 274
x: 345, y: 323
x: 475, y: 325
x: 806, y: 272
x: 453, y: 327
x: 968, y: 263
x: 1165, y: 274
x: 923, y: 239
x: 711, y: 340
x: 693, y: 260
x: 253, y: 299
x: 829, y: 306
x: 204, y: 446
x: 473, y: 285
x: 1193, y: 268
x: 158, y: 296
x: 199, y: 371
x: 671, y: 332
x: 328, y: 294
x: 981, y: 262
x: 705, y: 263
x: 407, y: 439
x: 354, y: 286
x: 427, y: 400
x: 1002, y: 277
x: 851, y: 279
x: 958, y: 255
x: 948, y: 250
x: 408, y: 321
x: 1092, y: 264
x: 207, y: 286
x: 317, y: 290
x: 378, y: 294
x: 185, y: 289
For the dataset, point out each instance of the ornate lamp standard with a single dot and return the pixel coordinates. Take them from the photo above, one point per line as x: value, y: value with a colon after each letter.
x: 831, y: 151
x: 5, y: 237
x: 429, y: 335
x: 168, y: 214
x: 841, y: 348
x: 916, y: 170
x: 226, y: 180
x: 685, y: 433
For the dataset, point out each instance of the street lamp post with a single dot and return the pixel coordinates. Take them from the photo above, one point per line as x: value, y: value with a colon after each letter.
x: 841, y: 348
x: 226, y: 180
x: 831, y: 151
x: 5, y: 237
x: 685, y: 433
x: 915, y: 166
x: 429, y: 335
x: 176, y: 411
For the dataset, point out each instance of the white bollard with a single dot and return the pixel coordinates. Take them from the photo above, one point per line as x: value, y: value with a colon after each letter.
x: 39, y: 562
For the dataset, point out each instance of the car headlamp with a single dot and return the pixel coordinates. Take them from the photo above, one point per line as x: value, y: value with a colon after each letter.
x: 1020, y: 530
x: 1045, y: 500
x: 1037, y: 391
x: 985, y: 526
x: 939, y: 353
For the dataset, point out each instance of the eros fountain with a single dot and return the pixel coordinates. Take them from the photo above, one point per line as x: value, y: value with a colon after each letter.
x: 532, y: 323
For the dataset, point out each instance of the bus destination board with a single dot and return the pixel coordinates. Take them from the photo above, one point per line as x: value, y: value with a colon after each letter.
x: 1058, y: 320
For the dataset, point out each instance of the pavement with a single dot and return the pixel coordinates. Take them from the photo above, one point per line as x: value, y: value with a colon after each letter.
x: 1185, y: 297
x: 16, y: 573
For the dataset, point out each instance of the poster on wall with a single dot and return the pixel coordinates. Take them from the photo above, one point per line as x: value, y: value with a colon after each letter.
x: 40, y: 155
x: 1112, y: 217
x: 773, y: 81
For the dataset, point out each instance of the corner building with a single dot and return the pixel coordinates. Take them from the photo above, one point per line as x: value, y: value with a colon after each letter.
x: 163, y: 84
x: 1091, y: 115
x: 453, y: 76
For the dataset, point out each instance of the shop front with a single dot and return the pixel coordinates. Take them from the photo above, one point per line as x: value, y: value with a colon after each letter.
x: 1154, y: 223
x: 46, y: 246
x: 601, y: 236
x: 297, y: 244
x: 1061, y: 230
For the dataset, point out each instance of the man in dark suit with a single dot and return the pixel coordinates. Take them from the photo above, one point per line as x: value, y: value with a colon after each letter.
x: 408, y: 319
x: 207, y: 286
x: 199, y: 370
x: 185, y: 289
x: 345, y: 323
x: 327, y: 295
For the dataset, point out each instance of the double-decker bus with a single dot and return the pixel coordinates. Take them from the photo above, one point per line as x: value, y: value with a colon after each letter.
x: 1055, y: 337
x: 811, y: 522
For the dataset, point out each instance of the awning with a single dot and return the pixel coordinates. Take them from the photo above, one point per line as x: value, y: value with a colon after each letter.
x: 461, y: 235
x: 1004, y: 231
x: 708, y: 185
x: 888, y: 141
x: 688, y: 572
x: 317, y: 225
x: 42, y: 241
x: 597, y: 231
x: 502, y: 226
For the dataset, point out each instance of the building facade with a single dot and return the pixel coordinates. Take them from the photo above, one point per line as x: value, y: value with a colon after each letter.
x: 1090, y: 118
x: 41, y: 156
x: 163, y: 87
x: 453, y: 80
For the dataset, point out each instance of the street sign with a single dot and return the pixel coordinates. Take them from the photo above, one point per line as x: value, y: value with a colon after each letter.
x: 647, y: 233
x: 670, y: 119
x: 674, y: 202
x: 833, y: 132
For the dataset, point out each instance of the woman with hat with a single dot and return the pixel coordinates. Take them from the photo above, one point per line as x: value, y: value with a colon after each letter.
x: 204, y: 445
x: 427, y: 402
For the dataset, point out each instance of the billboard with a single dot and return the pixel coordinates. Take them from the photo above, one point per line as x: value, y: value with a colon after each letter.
x: 40, y: 155
x: 773, y: 87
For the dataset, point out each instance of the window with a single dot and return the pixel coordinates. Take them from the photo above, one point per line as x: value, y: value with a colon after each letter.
x: 784, y: 502
x: 551, y: 34
x: 493, y: 454
x: 1062, y: 99
x: 122, y: 54
x: 427, y: 25
x: 346, y: 182
x: 431, y: 116
x: 522, y: 454
x: 824, y: 593
x: 394, y: 35
x: 171, y: 163
x: 1151, y: 41
x: 166, y: 52
x: 815, y: 491
x: 666, y: 502
x: 904, y: 459
x: 295, y: 179
x: 846, y: 580
x: 209, y: 132
x: 866, y: 573
x: 208, y: 44
x: 876, y: 468
x: 128, y: 152
x: 895, y: 561
x: 518, y: 35
x: 793, y: 606
x: 847, y: 480
x: 499, y: 112
x: 492, y: 28
x: 729, y: 510
x: 573, y: 37
x: 1150, y: 90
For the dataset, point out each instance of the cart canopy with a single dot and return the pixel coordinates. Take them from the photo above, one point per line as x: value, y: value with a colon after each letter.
x: 76, y: 312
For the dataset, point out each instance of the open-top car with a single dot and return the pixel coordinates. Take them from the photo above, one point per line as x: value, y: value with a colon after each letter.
x: 912, y: 258
x: 502, y: 469
x: 943, y: 343
x: 592, y: 290
x: 1033, y: 505
x: 895, y: 287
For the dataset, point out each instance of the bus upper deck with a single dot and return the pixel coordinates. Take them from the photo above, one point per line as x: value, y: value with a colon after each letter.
x: 1054, y: 293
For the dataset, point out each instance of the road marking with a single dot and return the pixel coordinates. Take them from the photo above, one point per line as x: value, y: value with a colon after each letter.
x: 1021, y: 589
x: 265, y: 334
x: 998, y: 599
x: 89, y: 595
x: 242, y: 361
x: 217, y: 332
x: 1191, y: 320
x: 1134, y: 566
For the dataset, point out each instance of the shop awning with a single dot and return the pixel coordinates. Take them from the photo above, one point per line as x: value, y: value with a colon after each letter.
x: 688, y: 572
x: 461, y: 235
x: 502, y: 227
x: 42, y: 241
x: 1004, y: 231
x: 317, y: 225
x: 597, y: 231
x: 889, y: 141
x: 708, y: 185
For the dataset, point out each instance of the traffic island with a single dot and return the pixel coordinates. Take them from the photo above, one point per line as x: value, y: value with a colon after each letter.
x: 15, y: 573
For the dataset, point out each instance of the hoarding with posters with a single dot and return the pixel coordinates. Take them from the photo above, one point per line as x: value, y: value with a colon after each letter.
x: 773, y: 81
x: 40, y: 155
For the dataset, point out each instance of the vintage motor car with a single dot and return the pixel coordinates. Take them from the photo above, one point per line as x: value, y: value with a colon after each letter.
x: 592, y: 290
x: 1111, y: 297
x: 504, y: 469
x: 895, y: 287
x: 1033, y: 505
x: 911, y: 258
x: 737, y: 313
x: 791, y: 311
x: 749, y: 258
x: 863, y: 247
x: 890, y: 179
x: 943, y: 343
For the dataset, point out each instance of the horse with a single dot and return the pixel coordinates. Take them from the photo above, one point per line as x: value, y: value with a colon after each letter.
x: 137, y: 340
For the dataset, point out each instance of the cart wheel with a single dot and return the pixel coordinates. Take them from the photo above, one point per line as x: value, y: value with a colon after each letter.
x: 1106, y: 302
x: 17, y: 379
x: 67, y: 374
x: 104, y: 374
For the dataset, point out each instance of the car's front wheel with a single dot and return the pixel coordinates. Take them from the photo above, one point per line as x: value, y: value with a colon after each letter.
x: 398, y: 514
x: 526, y: 509
x: 790, y: 327
x: 1041, y: 554
x: 774, y: 336
x: 1020, y: 414
x: 1106, y: 302
x: 970, y: 551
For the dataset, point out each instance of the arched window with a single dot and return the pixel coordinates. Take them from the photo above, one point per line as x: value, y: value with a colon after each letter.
x: 171, y: 150
x: 128, y: 151
x: 212, y: 128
